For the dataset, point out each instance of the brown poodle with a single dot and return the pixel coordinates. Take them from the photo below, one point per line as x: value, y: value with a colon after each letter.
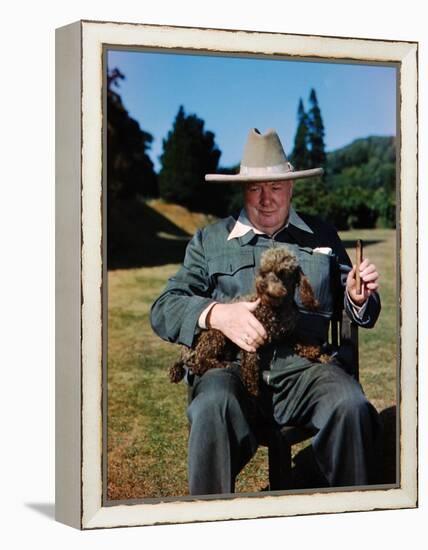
x: 278, y: 276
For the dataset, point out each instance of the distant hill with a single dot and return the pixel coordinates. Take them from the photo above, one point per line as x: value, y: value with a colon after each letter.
x: 366, y: 162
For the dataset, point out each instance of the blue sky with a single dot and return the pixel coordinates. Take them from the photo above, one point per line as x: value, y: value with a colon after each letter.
x: 233, y: 95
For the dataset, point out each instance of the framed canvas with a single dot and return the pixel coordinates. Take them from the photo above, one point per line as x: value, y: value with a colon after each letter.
x: 105, y: 476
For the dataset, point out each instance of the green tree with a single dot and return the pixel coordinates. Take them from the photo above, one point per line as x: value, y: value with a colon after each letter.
x: 310, y: 195
x: 349, y: 206
x: 300, y: 153
x: 129, y: 169
x: 189, y: 152
x: 361, y: 183
x: 383, y: 201
x: 316, y: 132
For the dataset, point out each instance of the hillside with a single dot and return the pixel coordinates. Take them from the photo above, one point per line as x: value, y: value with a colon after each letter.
x: 366, y: 162
x: 180, y: 216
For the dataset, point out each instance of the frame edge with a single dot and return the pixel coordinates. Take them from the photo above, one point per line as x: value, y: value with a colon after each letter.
x: 96, y: 516
x: 68, y: 140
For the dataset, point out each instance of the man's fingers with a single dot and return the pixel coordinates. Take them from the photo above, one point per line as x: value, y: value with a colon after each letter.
x: 364, y: 264
x: 372, y: 286
x: 258, y: 327
x: 251, y: 336
x: 350, y: 280
x: 351, y: 274
x: 369, y: 281
x: 238, y: 323
x: 243, y: 345
x: 371, y: 276
x: 367, y: 272
x: 251, y: 306
x: 260, y: 332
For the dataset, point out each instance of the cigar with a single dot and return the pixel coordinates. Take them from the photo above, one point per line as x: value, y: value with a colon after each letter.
x: 359, y: 259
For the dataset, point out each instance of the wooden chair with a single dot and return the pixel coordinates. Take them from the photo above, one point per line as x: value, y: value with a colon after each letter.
x: 343, y: 334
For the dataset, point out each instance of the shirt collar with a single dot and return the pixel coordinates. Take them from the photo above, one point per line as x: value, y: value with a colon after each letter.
x: 243, y: 225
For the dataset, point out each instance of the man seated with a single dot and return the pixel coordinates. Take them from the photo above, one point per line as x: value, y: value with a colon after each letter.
x: 219, y: 266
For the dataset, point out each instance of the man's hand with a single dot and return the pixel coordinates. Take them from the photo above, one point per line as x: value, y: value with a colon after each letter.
x: 237, y: 322
x: 369, y: 282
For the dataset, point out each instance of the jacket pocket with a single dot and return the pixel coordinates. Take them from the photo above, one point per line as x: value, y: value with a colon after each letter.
x: 232, y: 275
x: 318, y: 269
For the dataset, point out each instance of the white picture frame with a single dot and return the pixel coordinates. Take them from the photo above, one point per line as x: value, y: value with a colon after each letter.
x: 79, y: 271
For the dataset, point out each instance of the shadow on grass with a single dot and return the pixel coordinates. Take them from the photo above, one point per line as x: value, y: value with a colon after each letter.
x: 138, y: 236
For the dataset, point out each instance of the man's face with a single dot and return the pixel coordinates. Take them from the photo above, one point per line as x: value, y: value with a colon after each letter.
x: 268, y: 204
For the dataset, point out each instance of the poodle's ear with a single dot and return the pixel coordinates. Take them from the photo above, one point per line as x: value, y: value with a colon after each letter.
x: 176, y: 372
x: 307, y: 294
x: 260, y: 285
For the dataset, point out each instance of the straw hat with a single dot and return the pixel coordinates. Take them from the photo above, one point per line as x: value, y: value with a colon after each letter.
x: 264, y: 160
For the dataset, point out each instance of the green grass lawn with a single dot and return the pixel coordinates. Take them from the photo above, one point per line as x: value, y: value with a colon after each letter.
x: 147, y: 424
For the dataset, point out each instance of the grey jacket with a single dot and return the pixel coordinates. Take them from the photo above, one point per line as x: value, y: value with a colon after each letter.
x: 218, y: 269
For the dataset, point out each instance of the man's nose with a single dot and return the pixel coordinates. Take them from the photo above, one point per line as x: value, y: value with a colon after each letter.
x: 266, y: 196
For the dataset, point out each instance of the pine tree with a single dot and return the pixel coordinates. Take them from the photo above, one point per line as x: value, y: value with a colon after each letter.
x: 189, y: 152
x: 129, y: 169
x: 130, y: 175
x: 317, y: 155
x: 310, y: 195
x: 300, y: 154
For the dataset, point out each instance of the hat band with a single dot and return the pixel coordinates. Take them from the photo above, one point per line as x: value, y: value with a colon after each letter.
x: 262, y: 170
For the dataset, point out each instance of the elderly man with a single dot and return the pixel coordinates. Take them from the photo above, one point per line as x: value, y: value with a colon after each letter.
x: 219, y: 266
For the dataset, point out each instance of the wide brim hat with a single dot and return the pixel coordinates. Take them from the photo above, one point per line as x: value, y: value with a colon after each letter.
x: 264, y: 160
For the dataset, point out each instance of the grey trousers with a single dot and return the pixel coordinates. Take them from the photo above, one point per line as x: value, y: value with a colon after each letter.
x: 223, y: 418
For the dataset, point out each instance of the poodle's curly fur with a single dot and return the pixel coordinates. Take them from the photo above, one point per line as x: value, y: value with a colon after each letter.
x: 278, y: 276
